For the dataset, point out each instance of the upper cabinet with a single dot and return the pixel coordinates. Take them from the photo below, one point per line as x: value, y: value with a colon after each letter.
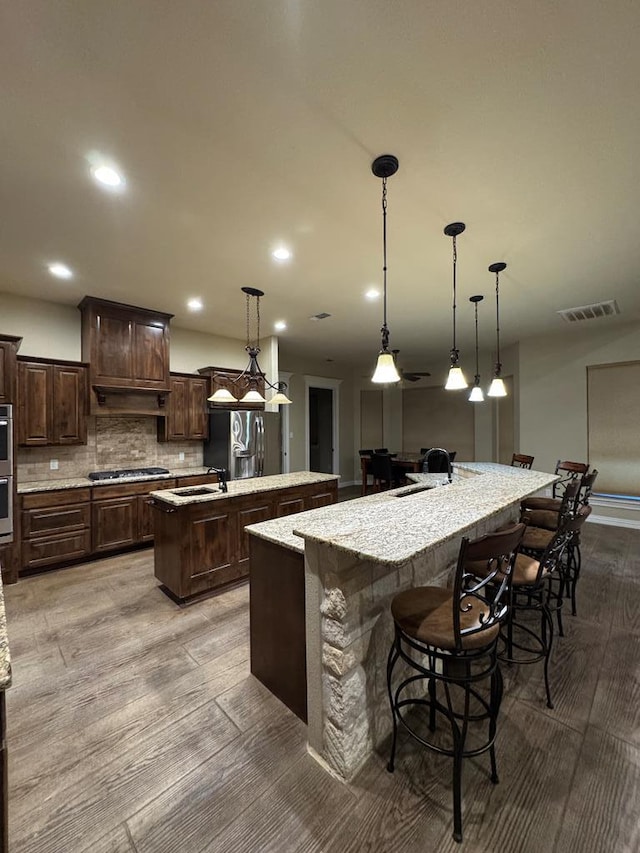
x: 9, y: 346
x: 52, y: 402
x: 230, y: 380
x: 128, y: 352
x: 187, y: 416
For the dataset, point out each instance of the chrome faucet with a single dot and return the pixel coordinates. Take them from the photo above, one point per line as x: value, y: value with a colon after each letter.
x: 222, y: 477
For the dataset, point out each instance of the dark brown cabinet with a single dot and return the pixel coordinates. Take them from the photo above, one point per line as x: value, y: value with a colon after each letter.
x: 52, y: 403
x: 234, y: 382
x: 9, y: 346
x: 128, y: 352
x: 56, y: 527
x: 187, y: 409
x: 204, y: 545
x: 121, y: 516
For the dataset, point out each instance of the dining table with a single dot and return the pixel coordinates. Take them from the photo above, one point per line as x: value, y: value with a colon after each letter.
x: 408, y: 461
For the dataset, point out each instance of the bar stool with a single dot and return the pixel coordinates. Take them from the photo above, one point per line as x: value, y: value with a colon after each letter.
x: 569, y: 472
x: 543, y: 512
x: 447, y: 638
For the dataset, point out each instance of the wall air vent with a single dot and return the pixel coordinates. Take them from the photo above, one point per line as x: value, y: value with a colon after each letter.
x: 590, y: 312
x: 321, y: 316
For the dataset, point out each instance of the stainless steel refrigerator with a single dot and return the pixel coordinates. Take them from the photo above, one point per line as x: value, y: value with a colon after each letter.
x: 247, y: 444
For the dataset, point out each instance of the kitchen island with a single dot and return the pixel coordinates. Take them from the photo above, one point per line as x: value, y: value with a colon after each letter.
x: 200, y: 542
x: 356, y: 556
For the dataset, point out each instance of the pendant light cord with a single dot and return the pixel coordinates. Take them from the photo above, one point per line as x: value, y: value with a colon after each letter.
x: 455, y: 263
x: 477, y: 377
x: 498, y: 363
x: 384, y: 330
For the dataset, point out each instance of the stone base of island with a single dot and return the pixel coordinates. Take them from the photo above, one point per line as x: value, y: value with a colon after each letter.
x: 355, y: 557
x: 200, y: 542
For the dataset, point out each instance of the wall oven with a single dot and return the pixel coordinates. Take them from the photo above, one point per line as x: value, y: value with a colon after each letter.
x: 6, y: 474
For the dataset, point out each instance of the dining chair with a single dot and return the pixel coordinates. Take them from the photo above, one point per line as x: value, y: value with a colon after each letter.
x: 521, y: 460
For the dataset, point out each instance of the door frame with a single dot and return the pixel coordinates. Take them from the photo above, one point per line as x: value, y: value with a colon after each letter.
x: 334, y: 386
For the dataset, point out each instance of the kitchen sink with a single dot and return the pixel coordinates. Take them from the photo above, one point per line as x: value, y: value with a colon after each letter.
x: 197, y: 490
x: 413, y: 490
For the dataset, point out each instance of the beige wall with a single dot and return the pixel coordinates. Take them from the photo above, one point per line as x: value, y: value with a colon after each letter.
x: 50, y: 330
x: 349, y: 426
x: 553, y: 387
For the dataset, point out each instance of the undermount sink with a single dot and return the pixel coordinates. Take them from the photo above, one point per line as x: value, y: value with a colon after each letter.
x: 413, y: 490
x: 197, y: 490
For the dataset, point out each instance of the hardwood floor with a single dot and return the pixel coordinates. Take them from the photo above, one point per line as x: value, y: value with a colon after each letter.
x: 134, y: 726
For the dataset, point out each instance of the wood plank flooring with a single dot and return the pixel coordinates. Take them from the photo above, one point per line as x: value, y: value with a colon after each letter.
x: 134, y: 726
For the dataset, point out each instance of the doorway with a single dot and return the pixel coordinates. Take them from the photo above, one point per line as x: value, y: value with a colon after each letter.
x: 321, y: 430
x: 321, y: 424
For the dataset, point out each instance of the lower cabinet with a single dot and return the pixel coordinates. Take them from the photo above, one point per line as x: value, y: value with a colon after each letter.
x: 56, y: 527
x: 61, y: 526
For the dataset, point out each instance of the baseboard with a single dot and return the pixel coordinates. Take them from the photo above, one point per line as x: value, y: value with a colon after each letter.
x: 343, y: 484
x: 614, y: 522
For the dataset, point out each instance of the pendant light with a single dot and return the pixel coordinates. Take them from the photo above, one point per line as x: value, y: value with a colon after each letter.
x: 252, y: 371
x: 497, y: 388
x: 455, y: 380
x: 386, y: 371
x: 476, y: 395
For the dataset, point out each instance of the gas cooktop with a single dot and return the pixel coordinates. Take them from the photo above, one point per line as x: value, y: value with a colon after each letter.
x: 126, y: 472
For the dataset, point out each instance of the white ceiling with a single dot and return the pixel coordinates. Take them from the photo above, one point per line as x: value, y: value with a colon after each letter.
x: 242, y: 124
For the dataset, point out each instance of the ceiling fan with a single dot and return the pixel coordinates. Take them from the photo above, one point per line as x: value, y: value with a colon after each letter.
x: 409, y: 375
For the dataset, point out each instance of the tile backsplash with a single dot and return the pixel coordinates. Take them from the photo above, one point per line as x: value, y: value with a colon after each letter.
x: 126, y: 442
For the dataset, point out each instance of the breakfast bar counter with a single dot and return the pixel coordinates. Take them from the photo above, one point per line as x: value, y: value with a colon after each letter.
x: 356, y: 556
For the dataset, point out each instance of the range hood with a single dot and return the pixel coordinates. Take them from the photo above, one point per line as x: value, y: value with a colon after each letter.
x: 127, y: 349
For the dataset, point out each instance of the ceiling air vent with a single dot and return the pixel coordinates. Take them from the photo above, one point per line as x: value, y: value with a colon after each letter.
x: 590, y: 312
x: 321, y: 316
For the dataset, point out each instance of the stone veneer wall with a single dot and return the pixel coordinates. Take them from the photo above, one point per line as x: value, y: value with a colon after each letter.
x: 349, y: 714
x: 120, y: 442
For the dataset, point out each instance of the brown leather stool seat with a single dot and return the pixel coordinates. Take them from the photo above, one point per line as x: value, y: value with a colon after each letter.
x: 424, y: 613
x: 447, y: 638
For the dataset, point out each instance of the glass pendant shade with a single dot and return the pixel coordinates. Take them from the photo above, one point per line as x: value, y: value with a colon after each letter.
x: 455, y: 379
x: 280, y: 399
x: 253, y: 396
x: 386, y: 370
x: 497, y: 388
x: 222, y: 395
x: 476, y: 395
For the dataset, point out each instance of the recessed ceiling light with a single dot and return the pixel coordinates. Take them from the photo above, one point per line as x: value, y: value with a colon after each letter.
x: 281, y: 253
x: 60, y: 270
x: 194, y: 304
x: 108, y: 176
x: 280, y: 326
x: 372, y: 293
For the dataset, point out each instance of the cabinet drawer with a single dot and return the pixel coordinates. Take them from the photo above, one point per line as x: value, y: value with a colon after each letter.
x: 51, y: 520
x: 55, y: 497
x: 55, y: 549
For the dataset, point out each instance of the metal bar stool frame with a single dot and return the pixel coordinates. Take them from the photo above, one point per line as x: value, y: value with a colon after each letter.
x: 463, y: 666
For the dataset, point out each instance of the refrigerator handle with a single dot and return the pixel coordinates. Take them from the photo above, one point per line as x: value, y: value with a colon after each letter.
x: 260, y: 444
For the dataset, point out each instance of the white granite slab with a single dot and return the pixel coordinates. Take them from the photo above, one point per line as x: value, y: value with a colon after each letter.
x: 5, y: 655
x: 252, y: 485
x: 85, y: 482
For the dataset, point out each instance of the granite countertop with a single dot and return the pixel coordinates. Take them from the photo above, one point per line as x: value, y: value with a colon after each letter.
x: 394, y: 526
x: 5, y: 656
x: 85, y: 482
x: 248, y: 486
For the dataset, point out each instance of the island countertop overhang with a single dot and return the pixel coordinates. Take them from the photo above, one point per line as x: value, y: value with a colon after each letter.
x: 392, y: 530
